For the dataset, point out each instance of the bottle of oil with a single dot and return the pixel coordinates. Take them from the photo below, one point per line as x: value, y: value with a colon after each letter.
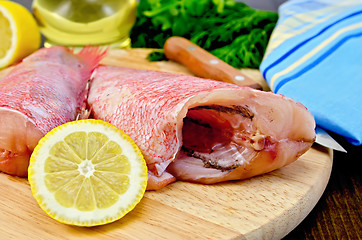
x: 85, y: 22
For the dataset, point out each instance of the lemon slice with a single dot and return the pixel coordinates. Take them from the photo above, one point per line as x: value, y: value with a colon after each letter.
x: 19, y: 33
x: 87, y: 173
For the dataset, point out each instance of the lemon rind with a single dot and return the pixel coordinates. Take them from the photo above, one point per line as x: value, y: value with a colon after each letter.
x: 26, y: 37
x: 14, y: 36
x: 126, y: 201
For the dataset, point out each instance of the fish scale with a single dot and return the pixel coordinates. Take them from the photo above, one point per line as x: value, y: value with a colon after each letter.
x: 45, y: 90
x: 150, y: 108
x: 153, y: 105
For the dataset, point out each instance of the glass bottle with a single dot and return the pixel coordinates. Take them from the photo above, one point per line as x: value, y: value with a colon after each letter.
x: 85, y: 22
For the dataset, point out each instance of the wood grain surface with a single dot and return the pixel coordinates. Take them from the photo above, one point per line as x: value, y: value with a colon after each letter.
x: 264, y: 207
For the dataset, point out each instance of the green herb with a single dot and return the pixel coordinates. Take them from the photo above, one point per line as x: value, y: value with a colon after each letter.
x: 230, y: 30
x: 156, y: 56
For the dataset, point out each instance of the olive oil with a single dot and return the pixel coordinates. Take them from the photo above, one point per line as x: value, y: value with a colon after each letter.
x: 85, y: 22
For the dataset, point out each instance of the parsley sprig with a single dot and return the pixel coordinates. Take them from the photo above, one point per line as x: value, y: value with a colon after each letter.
x: 230, y: 30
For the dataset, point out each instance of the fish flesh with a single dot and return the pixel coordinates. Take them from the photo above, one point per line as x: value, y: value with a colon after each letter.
x: 45, y: 90
x: 200, y: 130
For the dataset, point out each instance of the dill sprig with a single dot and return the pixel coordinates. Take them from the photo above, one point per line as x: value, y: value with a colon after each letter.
x: 230, y: 30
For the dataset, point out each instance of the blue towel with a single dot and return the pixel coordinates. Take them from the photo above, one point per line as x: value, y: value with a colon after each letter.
x: 315, y: 57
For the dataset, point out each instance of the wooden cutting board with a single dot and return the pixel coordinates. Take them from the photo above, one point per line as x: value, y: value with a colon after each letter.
x: 264, y: 207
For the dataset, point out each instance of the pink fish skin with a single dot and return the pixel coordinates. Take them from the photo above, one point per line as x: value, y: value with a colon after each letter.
x: 200, y: 130
x: 45, y: 90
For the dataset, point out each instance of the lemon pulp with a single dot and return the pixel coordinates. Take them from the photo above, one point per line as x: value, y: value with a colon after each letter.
x: 20, y: 35
x: 87, y: 173
x: 5, y: 40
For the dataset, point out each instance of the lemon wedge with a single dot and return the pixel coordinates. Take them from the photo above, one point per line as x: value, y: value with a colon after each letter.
x: 87, y: 173
x: 19, y: 33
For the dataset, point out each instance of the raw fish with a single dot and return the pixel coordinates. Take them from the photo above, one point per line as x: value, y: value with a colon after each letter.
x: 45, y: 90
x: 200, y: 130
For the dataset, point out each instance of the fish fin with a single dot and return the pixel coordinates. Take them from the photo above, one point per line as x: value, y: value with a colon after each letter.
x: 92, y: 55
x: 83, y: 114
x: 155, y: 183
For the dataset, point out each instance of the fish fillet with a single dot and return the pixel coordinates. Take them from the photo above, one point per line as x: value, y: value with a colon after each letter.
x: 45, y: 90
x: 200, y: 130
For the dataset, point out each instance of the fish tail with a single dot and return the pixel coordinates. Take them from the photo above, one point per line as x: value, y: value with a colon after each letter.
x: 92, y: 55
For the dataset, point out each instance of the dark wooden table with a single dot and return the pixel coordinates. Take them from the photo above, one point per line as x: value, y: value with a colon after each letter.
x: 337, y: 215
